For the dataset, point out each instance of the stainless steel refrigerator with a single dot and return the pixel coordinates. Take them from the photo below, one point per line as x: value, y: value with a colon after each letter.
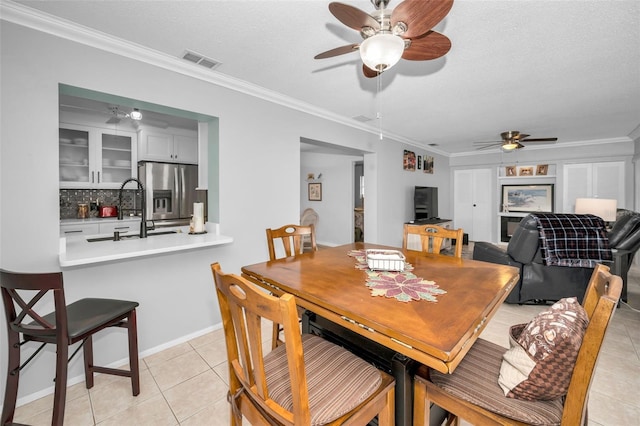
x: 170, y: 190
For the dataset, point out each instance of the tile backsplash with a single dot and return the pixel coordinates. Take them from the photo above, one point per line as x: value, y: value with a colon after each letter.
x: 70, y: 198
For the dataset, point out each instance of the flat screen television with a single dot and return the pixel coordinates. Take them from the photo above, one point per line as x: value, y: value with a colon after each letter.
x: 425, y: 202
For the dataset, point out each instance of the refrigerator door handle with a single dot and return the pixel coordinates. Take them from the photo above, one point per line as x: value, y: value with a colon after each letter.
x: 176, y: 184
x: 183, y: 189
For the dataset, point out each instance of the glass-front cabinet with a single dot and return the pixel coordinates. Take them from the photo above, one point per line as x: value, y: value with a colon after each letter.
x: 91, y: 157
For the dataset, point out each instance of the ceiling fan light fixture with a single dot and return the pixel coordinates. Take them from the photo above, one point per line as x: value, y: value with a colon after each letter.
x: 136, y: 114
x: 381, y: 51
x: 510, y: 146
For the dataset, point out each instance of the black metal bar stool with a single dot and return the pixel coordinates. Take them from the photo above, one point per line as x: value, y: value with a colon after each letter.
x: 63, y: 327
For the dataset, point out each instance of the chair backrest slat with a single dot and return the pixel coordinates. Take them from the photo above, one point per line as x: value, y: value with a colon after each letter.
x: 432, y: 238
x: 28, y: 320
x: 292, y: 238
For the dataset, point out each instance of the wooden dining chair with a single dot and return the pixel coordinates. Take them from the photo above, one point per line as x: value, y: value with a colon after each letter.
x: 65, y: 326
x: 295, y: 240
x: 305, y: 381
x: 292, y: 238
x: 472, y: 391
x: 432, y: 238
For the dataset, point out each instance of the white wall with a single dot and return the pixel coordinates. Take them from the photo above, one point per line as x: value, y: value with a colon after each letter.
x: 395, y: 190
x: 175, y: 291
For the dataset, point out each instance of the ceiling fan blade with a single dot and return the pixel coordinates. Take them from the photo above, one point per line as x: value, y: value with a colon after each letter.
x: 420, y: 15
x: 432, y: 45
x: 539, y: 140
x: 352, y: 17
x: 337, y: 51
x: 488, y: 146
x: 488, y: 142
x: 368, y: 72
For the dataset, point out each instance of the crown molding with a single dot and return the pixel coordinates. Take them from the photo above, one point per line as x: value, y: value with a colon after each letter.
x: 39, y: 21
x: 635, y: 133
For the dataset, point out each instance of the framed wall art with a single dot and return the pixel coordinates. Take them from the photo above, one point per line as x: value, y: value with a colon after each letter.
x: 525, y: 171
x: 542, y: 169
x: 428, y: 164
x: 409, y: 161
x: 528, y: 198
x: 510, y: 171
x: 315, y: 191
x: 419, y: 162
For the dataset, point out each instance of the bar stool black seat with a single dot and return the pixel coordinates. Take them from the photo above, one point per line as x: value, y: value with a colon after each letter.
x: 65, y: 326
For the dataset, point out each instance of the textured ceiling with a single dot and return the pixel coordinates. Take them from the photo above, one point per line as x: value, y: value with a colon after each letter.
x: 566, y: 69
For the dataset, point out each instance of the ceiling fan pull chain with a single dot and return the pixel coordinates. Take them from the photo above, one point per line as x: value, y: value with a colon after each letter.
x: 379, y: 89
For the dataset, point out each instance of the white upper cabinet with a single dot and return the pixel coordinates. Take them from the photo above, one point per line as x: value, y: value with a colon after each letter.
x: 172, y: 145
x: 593, y: 180
x: 93, y: 157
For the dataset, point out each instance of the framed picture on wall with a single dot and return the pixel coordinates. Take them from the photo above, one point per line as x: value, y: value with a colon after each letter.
x: 527, y: 198
x: 542, y: 169
x: 525, y: 171
x: 315, y: 192
x: 419, y: 163
x: 409, y: 161
x: 428, y: 164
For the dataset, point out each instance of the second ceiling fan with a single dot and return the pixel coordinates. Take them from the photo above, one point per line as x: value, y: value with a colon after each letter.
x: 389, y: 36
x: 512, y: 140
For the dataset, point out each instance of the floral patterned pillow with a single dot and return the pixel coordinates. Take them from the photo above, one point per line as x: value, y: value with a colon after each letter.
x: 542, y: 354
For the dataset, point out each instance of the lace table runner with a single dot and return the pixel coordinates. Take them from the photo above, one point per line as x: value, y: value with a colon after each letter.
x: 403, y: 286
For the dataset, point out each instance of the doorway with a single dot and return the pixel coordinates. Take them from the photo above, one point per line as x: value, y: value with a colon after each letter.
x: 332, y: 168
x: 358, y: 201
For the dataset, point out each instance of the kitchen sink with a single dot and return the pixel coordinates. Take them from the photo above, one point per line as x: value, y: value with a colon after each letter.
x: 127, y: 236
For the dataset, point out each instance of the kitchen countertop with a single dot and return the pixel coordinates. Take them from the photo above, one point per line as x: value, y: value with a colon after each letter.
x: 76, y: 251
x: 98, y: 220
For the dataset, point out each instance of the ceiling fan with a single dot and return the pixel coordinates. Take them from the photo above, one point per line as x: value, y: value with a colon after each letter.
x: 512, y: 140
x: 118, y: 115
x: 389, y: 35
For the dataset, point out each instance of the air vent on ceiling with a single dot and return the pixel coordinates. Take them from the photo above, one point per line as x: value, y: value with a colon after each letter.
x: 199, y: 59
x: 362, y: 118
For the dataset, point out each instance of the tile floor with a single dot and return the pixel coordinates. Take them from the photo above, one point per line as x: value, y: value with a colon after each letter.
x: 186, y: 384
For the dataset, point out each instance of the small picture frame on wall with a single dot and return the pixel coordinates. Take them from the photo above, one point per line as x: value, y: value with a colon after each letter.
x: 541, y: 169
x: 525, y: 171
x: 419, y: 162
x: 315, y: 192
x: 510, y: 171
x: 428, y: 164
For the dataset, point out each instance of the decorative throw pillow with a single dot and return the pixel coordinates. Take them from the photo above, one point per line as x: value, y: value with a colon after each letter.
x: 542, y: 354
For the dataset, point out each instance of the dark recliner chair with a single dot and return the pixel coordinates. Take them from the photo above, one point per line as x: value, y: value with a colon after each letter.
x: 538, y: 282
x: 624, y: 239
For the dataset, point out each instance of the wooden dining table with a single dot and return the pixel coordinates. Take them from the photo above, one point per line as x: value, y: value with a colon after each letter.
x: 436, y: 333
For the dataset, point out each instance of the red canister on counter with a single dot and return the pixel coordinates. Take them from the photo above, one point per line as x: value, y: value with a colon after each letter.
x: 107, y: 211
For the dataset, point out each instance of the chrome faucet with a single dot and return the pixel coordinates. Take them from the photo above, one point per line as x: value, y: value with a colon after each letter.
x: 143, y: 223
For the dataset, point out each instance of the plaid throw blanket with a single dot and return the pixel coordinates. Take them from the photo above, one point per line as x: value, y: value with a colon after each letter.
x: 576, y: 240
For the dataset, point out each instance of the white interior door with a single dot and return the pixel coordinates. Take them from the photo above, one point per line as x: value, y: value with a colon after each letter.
x: 481, y: 206
x: 472, y: 203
